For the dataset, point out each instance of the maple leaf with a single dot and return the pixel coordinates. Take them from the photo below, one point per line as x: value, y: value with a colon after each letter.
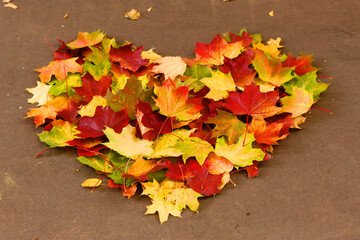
x: 253, y: 170
x: 127, y: 144
x: 307, y: 80
x: 240, y: 70
x: 194, y: 147
x: 85, y: 39
x: 104, y: 117
x: 40, y: 93
x: 97, y: 163
x: 170, y: 66
x: 97, y: 71
x: 169, y: 197
x: 272, y: 47
x: 269, y: 133
x: 65, y: 86
x: 60, y: 134
x: 66, y: 107
x: 90, y: 87
x: 211, y: 54
x: 271, y: 70
x: 204, y: 182
x: 197, y: 177
x: 129, y: 97
x: 232, y: 50
x: 219, y: 165
x: 253, y: 102
x: 165, y: 145
x: 60, y: 69
x: 128, y: 191
x: 42, y: 113
x: 150, y: 54
x: 242, y: 153
x: 89, y: 109
x: 299, y: 102
x: 127, y: 58
x: 141, y: 167
x: 227, y: 124
x: 151, y: 124
x: 302, y: 63
x: 219, y: 85
x: 198, y: 72
x: 99, y: 54
x: 175, y: 102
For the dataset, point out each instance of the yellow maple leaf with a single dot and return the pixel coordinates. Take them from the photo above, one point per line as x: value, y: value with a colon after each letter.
x: 150, y: 54
x: 219, y: 84
x: 242, y: 153
x: 127, y: 144
x: 90, y: 109
x: 170, y: 197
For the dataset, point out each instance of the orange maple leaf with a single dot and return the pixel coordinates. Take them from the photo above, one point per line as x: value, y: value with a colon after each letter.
x: 42, y: 113
x: 60, y: 69
x: 175, y: 102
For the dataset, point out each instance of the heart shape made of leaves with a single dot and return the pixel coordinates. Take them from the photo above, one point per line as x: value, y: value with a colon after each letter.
x: 176, y: 126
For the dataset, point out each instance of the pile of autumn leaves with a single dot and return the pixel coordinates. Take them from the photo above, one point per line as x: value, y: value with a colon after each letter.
x: 174, y: 127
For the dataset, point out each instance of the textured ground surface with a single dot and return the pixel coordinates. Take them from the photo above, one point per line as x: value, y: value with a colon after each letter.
x: 309, y: 190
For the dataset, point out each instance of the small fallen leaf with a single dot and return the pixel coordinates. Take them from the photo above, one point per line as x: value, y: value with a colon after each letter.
x: 11, y: 5
x: 132, y: 14
x: 150, y: 9
x: 91, y: 182
x: 6, y: 1
x: 66, y: 15
x: 271, y: 13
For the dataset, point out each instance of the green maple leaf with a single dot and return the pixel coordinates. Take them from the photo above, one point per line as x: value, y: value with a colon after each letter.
x: 127, y: 144
x: 194, y: 147
x: 198, y: 71
x: 165, y: 146
x: 97, y: 163
x: 170, y: 197
x: 270, y: 69
x: 240, y: 154
x: 61, y: 132
x: 308, y: 81
x: 219, y: 84
x: 58, y: 87
x: 97, y: 71
x: 101, y: 53
x: 227, y: 124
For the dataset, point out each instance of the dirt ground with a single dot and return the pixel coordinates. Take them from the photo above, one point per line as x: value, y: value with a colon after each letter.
x: 309, y: 190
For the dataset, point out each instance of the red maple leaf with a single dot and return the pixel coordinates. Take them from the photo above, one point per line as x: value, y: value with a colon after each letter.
x: 253, y: 102
x: 204, y: 182
x: 151, y: 124
x: 245, y: 38
x: 239, y: 69
x: 94, y: 126
x: 197, y: 177
x: 302, y: 63
x: 270, y: 133
x: 253, y: 170
x: 91, y: 87
x: 127, y: 58
x: 211, y: 54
